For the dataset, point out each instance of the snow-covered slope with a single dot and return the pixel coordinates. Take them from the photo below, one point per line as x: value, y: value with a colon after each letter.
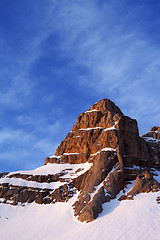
x: 120, y: 220
x: 70, y: 172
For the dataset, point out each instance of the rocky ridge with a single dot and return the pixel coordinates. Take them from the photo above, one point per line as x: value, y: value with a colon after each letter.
x: 100, y: 157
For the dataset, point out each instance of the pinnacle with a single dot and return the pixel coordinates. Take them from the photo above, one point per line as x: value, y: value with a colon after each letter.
x: 106, y: 105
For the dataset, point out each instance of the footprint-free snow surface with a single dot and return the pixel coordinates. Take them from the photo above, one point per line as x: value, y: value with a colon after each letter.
x: 120, y: 220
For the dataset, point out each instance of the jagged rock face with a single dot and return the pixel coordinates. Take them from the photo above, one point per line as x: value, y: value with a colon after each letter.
x: 144, y: 183
x: 152, y: 139
x: 154, y: 133
x: 109, y: 143
x: 89, y: 134
x: 103, y: 125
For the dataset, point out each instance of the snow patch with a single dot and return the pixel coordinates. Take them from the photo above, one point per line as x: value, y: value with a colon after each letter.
x: 103, y: 150
x: 95, y: 191
x: 157, y: 177
x: 88, y: 129
x: 71, y: 153
x: 134, y: 167
x: 151, y: 139
x: 111, y: 128
x: 54, y: 156
x: 71, y: 171
x: 108, y: 149
x: 94, y: 110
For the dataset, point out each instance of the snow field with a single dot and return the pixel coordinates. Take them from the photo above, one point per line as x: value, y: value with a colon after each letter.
x: 126, y: 220
x: 69, y: 169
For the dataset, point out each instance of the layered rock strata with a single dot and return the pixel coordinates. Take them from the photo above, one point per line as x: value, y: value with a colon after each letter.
x: 100, y: 157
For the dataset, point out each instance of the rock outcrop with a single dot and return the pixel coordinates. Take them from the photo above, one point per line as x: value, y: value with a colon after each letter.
x: 100, y: 156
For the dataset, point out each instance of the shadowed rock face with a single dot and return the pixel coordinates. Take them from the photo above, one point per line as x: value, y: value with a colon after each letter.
x: 110, y: 142
x: 152, y: 139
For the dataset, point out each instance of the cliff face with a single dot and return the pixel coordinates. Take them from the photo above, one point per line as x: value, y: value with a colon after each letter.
x: 100, y: 156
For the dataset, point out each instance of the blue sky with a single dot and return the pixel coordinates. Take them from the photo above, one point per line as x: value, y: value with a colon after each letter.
x: 57, y: 58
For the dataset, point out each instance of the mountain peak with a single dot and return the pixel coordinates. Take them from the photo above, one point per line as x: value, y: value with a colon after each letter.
x: 106, y: 105
x: 103, y: 114
x: 153, y: 134
x: 101, y: 156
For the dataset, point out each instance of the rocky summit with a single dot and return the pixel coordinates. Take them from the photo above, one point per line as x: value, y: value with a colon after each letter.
x: 98, y: 159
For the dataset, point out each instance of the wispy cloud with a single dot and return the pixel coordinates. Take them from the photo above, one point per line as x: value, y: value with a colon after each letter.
x: 122, y: 62
x: 24, y: 149
x: 65, y: 52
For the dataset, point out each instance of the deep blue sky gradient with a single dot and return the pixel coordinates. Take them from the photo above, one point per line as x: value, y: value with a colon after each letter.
x: 57, y: 58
